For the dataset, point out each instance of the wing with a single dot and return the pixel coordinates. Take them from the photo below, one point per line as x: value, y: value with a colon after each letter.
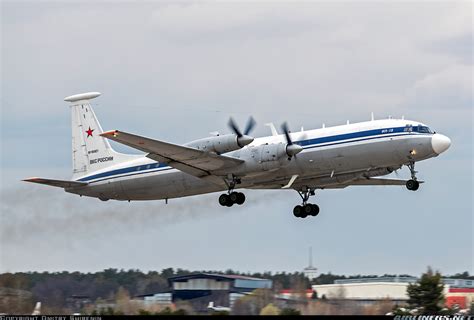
x: 57, y: 183
x: 193, y: 161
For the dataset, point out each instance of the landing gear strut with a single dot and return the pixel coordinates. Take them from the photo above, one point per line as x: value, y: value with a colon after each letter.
x: 306, y: 209
x: 231, y: 197
x: 412, y: 184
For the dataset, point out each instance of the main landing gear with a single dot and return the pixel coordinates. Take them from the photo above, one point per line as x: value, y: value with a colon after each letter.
x: 306, y: 209
x: 412, y: 184
x: 231, y: 197
x: 228, y: 200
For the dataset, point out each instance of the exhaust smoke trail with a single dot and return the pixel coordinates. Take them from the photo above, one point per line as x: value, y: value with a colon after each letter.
x: 30, y: 212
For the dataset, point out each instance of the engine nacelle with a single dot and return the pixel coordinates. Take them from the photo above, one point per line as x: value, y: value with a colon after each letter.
x: 272, y: 152
x: 265, y: 157
x: 221, y: 144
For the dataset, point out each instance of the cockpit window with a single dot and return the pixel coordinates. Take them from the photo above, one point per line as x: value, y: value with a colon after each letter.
x: 422, y: 129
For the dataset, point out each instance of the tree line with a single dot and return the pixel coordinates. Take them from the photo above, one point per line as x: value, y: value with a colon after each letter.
x: 55, y: 288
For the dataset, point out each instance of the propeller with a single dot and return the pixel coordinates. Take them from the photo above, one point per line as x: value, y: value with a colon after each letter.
x: 243, y: 139
x: 291, y: 148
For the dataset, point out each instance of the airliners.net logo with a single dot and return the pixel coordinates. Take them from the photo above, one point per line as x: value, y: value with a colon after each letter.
x: 428, y: 317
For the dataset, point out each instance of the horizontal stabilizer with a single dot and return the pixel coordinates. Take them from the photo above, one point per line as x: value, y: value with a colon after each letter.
x: 56, y: 183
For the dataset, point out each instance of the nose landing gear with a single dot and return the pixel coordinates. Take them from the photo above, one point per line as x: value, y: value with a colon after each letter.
x: 412, y: 184
x: 306, y: 209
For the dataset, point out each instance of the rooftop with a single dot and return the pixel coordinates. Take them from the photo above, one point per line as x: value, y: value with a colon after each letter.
x: 454, y: 283
x: 222, y: 277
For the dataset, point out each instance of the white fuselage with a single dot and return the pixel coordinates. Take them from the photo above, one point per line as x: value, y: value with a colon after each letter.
x: 331, y: 156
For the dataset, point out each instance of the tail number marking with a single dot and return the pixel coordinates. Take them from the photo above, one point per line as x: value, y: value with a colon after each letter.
x: 104, y: 159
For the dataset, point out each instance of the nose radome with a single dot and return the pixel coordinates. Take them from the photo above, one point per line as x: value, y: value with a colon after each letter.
x: 440, y: 143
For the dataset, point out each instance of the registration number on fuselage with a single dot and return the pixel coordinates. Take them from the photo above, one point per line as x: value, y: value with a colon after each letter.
x: 104, y: 159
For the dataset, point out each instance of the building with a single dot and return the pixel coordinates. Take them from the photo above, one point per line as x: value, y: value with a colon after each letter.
x: 77, y: 302
x: 394, y: 289
x: 201, y: 288
x: 461, y: 298
x: 161, y: 299
x: 295, y: 295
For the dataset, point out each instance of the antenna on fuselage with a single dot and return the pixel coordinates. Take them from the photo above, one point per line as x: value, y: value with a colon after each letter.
x: 347, y: 122
x: 372, y: 116
x: 272, y: 128
x: 403, y: 117
x: 324, y: 125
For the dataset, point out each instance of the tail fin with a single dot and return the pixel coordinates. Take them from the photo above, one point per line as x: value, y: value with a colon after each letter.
x: 90, y: 151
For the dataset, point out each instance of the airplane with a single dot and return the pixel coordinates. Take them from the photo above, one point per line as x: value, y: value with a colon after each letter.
x: 37, y: 309
x: 356, y: 154
x: 218, y: 308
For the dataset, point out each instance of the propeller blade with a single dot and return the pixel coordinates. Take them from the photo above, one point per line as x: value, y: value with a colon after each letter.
x: 250, y: 125
x: 291, y: 148
x: 235, y: 128
x: 284, y: 127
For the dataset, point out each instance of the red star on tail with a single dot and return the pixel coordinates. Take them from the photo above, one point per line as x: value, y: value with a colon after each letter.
x: 89, y: 132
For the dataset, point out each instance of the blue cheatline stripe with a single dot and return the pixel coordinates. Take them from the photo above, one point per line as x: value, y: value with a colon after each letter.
x: 347, y: 136
x: 307, y: 144
x: 132, y: 174
x: 143, y: 167
x: 356, y: 140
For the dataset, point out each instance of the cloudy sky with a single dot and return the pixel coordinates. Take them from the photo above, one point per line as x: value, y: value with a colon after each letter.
x: 177, y: 71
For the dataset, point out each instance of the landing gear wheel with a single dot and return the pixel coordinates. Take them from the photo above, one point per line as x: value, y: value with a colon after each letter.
x: 228, y: 200
x: 315, y: 210
x: 417, y: 185
x: 308, y: 209
x: 233, y: 197
x: 297, y: 211
x: 412, y: 185
x: 224, y: 200
x: 240, y: 198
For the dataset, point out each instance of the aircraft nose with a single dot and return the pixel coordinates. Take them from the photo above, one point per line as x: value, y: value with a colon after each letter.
x: 440, y: 143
